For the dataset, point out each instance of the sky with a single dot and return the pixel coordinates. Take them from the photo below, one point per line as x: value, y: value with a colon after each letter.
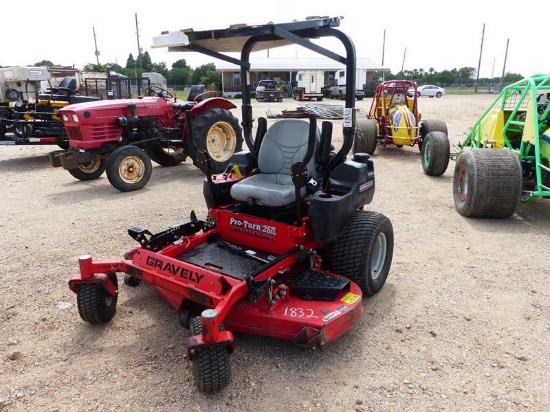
x: 407, y: 35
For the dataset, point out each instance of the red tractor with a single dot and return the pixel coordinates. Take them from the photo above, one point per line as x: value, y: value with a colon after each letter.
x: 123, y: 136
x: 287, y: 249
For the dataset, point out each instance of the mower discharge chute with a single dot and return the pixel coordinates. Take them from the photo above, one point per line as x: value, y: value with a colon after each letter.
x: 287, y: 249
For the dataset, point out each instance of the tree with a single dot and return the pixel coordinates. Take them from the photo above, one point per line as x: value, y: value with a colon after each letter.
x: 44, y: 63
x: 179, y: 64
x: 144, y: 62
x: 179, y: 76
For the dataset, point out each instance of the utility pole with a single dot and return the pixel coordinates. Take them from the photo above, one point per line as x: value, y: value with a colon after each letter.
x: 504, y: 65
x: 383, y: 50
x: 480, y: 52
x: 96, y: 50
x: 139, y: 48
x: 403, y: 64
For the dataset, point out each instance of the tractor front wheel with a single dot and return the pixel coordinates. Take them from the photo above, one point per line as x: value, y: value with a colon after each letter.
x: 436, y: 153
x: 89, y: 170
x: 211, y: 365
x: 218, y: 132
x: 129, y: 168
x: 487, y: 183
x: 95, y: 305
x: 364, y: 251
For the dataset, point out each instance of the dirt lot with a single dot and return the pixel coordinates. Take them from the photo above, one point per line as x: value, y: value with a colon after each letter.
x: 462, y: 323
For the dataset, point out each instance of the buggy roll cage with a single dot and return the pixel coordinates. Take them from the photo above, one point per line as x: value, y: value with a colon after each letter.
x: 246, y: 39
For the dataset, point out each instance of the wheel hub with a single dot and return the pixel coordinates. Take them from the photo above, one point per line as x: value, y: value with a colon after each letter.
x: 131, y: 169
x: 221, y: 141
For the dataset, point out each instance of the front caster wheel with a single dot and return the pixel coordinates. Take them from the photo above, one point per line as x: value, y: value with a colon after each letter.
x: 129, y: 168
x: 95, y: 305
x: 211, y: 366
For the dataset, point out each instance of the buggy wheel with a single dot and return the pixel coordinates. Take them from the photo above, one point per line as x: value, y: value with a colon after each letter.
x: 365, y: 136
x: 487, y: 183
x: 218, y: 132
x: 211, y: 366
x: 364, y: 251
x: 131, y: 281
x: 94, y: 304
x: 22, y: 130
x: 89, y: 170
x: 436, y: 153
x: 428, y: 126
x: 129, y: 168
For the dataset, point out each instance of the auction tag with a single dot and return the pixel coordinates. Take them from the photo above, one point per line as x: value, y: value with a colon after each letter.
x: 348, y: 115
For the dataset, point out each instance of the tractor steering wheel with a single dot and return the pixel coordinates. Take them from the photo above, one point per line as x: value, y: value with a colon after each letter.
x: 159, y: 92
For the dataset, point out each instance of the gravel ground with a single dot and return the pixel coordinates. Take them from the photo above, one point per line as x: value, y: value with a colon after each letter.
x: 461, y: 325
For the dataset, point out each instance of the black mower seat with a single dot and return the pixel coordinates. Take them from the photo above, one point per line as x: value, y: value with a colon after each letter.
x: 284, y: 144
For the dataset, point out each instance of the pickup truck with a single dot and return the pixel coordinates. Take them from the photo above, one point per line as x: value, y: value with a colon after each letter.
x: 268, y: 90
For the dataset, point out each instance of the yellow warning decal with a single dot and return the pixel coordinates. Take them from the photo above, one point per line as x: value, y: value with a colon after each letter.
x: 350, y: 298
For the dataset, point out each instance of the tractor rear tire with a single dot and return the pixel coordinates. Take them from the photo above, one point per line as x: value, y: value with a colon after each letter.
x: 2, y: 130
x: 94, y: 304
x: 218, y: 132
x: 365, y: 136
x: 211, y: 365
x: 364, y: 251
x: 436, y: 153
x: 166, y: 156
x: 487, y: 183
x: 428, y: 126
x: 129, y: 168
x: 89, y: 170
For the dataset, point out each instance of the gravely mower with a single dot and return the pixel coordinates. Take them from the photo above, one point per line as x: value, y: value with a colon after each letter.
x: 505, y: 159
x: 395, y: 119
x: 287, y: 250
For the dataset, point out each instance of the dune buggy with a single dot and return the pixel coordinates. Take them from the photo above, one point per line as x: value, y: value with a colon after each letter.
x: 395, y: 119
x: 287, y: 249
x: 123, y: 136
x: 505, y: 159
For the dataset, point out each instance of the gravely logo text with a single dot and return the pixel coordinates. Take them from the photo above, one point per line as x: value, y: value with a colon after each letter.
x: 174, y: 269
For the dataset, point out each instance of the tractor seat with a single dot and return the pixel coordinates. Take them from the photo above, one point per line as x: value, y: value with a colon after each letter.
x: 285, y: 143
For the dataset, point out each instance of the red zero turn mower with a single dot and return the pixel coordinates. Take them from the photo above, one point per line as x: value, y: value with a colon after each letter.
x: 287, y: 249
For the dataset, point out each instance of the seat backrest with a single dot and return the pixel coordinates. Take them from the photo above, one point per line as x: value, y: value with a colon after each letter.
x: 68, y: 83
x: 286, y: 143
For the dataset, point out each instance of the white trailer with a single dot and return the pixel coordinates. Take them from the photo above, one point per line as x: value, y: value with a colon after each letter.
x: 338, y: 90
x: 309, y: 85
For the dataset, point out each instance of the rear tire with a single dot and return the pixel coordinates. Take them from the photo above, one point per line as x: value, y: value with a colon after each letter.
x: 364, y: 251
x: 436, y: 153
x: 129, y: 168
x: 365, y: 137
x: 487, y: 183
x: 211, y: 365
x: 89, y: 170
x: 94, y: 304
x: 218, y: 132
